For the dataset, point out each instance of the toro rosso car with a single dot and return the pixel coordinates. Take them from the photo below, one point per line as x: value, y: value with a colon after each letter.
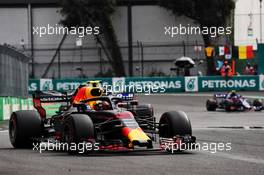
x: 86, y: 116
x: 232, y: 102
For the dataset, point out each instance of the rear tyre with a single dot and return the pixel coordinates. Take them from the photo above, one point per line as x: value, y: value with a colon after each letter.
x: 257, y: 102
x: 174, y: 123
x: 24, y: 126
x: 211, y: 105
x: 79, y: 128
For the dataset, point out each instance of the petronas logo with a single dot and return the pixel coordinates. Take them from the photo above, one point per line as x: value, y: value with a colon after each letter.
x: 262, y: 84
x: 190, y: 84
x: 47, y: 85
x: 119, y: 83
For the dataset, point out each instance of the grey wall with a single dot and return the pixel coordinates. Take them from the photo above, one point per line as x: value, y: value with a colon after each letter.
x: 14, y: 25
x: 148, y: 27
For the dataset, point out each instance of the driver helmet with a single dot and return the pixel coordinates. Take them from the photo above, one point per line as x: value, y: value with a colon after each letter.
x: 101, y: 105
x: 233, y: 93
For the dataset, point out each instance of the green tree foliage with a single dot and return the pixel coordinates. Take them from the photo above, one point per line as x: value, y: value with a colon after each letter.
x: 208, y: 13
x: 96, y: 13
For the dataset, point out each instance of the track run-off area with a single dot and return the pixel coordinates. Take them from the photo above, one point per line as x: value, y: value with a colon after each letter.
x: 243, y: 130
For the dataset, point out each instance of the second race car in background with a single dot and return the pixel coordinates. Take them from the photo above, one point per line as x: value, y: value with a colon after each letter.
x: 232, y: 103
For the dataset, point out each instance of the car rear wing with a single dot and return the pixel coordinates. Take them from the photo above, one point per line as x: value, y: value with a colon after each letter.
x: 47, y: 103
x: 220, y: 95
x: 52, y: 96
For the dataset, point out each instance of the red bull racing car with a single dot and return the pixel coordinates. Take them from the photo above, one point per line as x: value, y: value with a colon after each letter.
x: 111, y: 122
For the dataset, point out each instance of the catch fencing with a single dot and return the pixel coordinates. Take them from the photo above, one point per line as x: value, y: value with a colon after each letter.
x: 13, y: 72
x: 149, y: 59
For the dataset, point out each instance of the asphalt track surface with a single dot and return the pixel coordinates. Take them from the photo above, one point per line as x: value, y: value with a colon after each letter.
x: 243, y: 130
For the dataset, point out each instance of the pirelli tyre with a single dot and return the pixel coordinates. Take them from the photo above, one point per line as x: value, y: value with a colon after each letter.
x: 174, y: 123
x: 79, y: 129
x: 211, y: 105
x: 24, y: 128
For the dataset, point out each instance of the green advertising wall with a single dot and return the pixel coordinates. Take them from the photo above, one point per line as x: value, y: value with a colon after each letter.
x: 158, y: 84
x: 239, y: 83
x: 146, y: 85
x: 137, y: 85
x: 155, y: 85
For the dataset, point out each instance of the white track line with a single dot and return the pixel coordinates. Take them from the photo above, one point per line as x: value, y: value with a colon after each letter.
x: 3, y: 131
x: 235, y: 157
x: 223, y: 129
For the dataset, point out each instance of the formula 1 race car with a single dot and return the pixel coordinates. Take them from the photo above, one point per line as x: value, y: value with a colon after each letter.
x: 232, y: 102
x: 125, y: 101
x: 97, y: 119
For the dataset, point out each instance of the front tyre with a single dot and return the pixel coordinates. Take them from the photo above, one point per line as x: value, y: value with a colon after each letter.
x: 258, y: 105
x: 211, y: 105
x: 173, y: 126
x: 174, y: 123
x: 79, y: 128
